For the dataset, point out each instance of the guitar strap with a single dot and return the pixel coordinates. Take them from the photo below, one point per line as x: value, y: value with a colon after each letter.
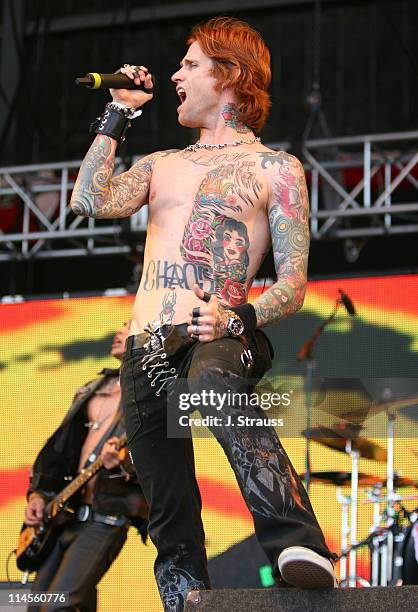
x: 107, y: 434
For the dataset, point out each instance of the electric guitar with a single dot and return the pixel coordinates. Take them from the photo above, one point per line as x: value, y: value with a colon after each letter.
x: 35, y: 543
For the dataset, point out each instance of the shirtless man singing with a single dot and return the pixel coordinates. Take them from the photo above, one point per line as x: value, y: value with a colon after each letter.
x: 215, y: 209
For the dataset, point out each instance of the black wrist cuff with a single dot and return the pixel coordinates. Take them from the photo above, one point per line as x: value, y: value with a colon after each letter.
x: 247, y: 315
x: 113, y: 123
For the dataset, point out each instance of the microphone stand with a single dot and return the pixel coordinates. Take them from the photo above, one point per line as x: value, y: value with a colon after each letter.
x: 305, y: 354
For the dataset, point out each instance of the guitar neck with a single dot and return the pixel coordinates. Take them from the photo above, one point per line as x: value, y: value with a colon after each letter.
x: 84, y: 476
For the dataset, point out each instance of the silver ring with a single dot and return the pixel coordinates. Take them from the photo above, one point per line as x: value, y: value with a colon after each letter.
x: 196, y: 330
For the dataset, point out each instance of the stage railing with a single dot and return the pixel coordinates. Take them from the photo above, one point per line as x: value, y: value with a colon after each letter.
x: 357, y: 189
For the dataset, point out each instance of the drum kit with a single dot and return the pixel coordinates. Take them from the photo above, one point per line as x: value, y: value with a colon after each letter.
x: 392, y: 541
x: 393, y: 538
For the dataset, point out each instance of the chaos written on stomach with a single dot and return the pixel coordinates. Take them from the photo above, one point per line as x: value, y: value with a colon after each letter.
x: 229, y: 282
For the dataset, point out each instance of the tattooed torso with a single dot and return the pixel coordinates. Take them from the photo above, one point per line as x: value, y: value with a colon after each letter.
x: 208, y: 224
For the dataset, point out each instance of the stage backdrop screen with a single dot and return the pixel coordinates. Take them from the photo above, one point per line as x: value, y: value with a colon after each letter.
x: 51, y: 347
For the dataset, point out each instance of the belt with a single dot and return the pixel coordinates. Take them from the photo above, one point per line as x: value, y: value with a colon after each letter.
x: 86, y: 513
x: 159, y: 343
x: 139, y: 341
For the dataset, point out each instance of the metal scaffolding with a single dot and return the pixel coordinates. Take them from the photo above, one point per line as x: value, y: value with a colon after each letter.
x: 41, y: 194
x: 387, y: 169
x: 360, y: 186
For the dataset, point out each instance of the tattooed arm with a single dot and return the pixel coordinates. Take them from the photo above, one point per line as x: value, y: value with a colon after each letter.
x: 289, y: 227
x: 97, y: 194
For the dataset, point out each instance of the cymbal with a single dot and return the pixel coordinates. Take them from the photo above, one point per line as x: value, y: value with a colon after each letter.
x: 340, y: 479
x: 402, y: 481
x: 394, y: 405
x: 356, y: 407
x: 337, y: 438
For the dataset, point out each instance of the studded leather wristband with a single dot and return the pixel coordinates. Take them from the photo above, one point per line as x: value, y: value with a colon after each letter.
x: 115, y: 122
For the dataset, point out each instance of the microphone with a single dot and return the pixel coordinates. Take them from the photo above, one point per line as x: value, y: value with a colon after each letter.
x: 349, y: 306
x: 96, y: 80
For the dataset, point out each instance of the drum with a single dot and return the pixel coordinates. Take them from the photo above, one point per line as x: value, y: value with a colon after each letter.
x: 410, y: 554
x: 405, y: 565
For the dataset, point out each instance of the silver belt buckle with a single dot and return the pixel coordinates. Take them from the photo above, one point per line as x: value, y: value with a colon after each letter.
x: 156, y: 338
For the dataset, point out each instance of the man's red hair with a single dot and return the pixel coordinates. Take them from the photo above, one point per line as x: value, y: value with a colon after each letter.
x: 241, y: 62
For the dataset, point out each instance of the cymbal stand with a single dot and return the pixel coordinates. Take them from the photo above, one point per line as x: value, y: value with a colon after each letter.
x: 305, y: 353
x: 344, y: 500
x: 375, y: 496
x: 391, y: 497
x: 386, y: 540
x: 383, y: 544
x: 354, y: 454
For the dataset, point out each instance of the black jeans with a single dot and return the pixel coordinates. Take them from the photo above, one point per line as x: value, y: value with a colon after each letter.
x: 81, y: 556
x: 276, y: 498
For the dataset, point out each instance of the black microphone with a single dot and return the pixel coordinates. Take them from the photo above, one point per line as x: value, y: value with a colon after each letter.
x: 349, y: 306
x: 96, y: 80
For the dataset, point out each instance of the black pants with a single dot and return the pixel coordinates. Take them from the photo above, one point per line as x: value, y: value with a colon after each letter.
x: 277, y: 500
x: 81, y: 556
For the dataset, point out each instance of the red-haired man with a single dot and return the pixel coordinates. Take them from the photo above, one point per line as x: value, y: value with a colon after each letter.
x: 215, y: 209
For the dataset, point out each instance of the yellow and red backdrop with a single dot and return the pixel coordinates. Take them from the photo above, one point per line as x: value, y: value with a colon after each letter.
x: 51, y: 347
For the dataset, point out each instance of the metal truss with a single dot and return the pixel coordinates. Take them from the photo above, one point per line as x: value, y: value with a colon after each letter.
x: 382, y: 198
x: 40, y: 194
x: 360, y: 186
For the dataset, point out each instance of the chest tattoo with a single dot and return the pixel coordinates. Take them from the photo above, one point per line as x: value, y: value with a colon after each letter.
x: 213, y: 240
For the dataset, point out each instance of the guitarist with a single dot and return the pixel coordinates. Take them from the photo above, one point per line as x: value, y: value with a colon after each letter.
x: 109, y: 503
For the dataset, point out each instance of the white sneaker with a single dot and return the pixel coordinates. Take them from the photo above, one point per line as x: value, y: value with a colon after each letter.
x: 302, y: 567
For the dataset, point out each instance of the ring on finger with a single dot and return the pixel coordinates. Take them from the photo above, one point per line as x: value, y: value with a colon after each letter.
x: 195, y: 321
x: 196, y: 311
x: 196, y: 330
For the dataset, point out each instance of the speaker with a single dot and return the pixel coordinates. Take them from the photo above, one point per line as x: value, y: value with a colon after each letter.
x: 374, y: 599
x: 244, y: 565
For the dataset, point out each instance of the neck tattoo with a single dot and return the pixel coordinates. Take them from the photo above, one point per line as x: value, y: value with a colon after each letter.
x: 235, y: 143
x: 230, y: 115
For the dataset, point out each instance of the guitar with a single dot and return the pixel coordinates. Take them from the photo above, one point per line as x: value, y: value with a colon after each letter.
x: 35, y: 543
